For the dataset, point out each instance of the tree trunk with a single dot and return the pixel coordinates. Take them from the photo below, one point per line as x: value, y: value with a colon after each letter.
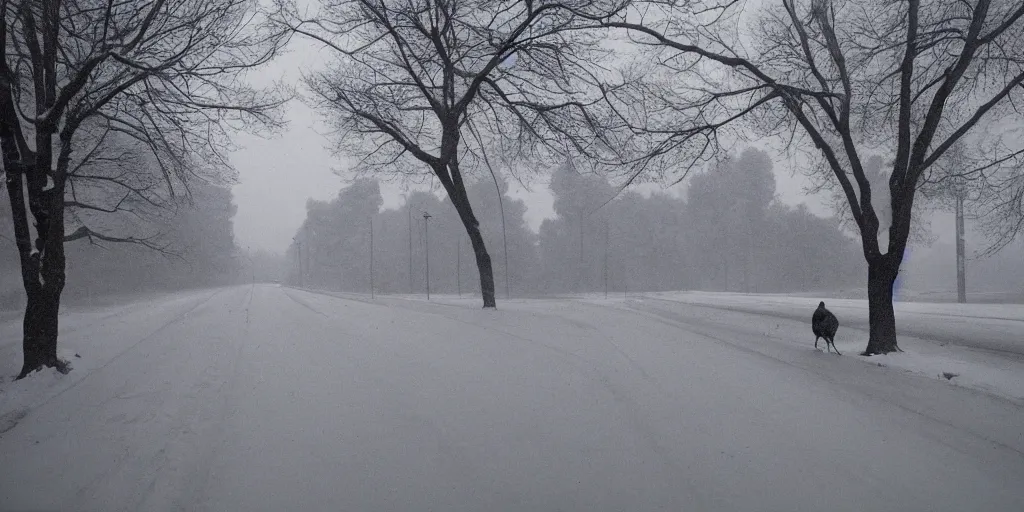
x: 882, y: 318
x: 39, y: 342
x: 43, y: 276
x: 36, y: 187
x: 42, y: 262
x: 457, y: 193
x: 483, y: 263
x: 483, y: 259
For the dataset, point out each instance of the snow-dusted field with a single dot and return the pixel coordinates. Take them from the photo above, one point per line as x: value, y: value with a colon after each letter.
x: 270, y: 398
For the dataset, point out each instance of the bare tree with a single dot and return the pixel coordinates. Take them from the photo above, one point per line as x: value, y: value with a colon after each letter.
x: 955, y: 184
x: 977, y: 188
x: 849, y: 78
x: 164, y: 74
x: 991, y: 190
x: 454, y: 85
x: 1002, y: 217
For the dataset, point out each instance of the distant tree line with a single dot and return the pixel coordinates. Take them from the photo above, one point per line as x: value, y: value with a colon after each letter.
x: 729, y: 233
x: 190, y: 244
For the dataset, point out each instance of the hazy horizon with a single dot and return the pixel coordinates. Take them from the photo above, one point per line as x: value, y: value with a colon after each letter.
x: 276, y: 176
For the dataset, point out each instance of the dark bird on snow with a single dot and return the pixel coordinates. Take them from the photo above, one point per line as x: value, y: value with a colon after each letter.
x: 824, y: 324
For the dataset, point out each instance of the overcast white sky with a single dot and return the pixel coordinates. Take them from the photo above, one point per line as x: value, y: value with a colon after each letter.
x: 277, y: 176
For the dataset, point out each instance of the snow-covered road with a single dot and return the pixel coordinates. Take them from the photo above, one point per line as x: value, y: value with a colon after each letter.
x: 271, y: 398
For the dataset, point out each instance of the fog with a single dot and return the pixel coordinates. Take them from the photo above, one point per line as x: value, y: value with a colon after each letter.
x: 726, y: 228
x: 188, y: 243
x: 626, y: 242
x: 244, y: 246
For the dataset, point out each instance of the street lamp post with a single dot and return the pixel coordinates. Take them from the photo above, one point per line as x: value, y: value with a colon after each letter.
x: 504, y: 237
x: 959, y: 192
x: 310, y: 260
x: 606, y: 258
x: 426, y: 244
x: 408, y: 209
x: 372, y: 295
x: 298, y: 259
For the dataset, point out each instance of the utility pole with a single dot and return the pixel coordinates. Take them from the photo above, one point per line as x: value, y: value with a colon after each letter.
x: 606, y: 258
x: 579, y: 271
x: 298, y: 258
x: 309, y: 257
x: 426, y: 245
x: 458, y: 264
x: 961, y: 263
x: 408, y: 208
x: 372, y: 295
x: 302, y: 254
x: 625, y: 273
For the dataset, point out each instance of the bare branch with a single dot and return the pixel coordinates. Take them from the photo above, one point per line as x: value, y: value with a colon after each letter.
x: 84, y: 232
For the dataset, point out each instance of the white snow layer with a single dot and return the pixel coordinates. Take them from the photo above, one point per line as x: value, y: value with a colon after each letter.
x: 270, y: 398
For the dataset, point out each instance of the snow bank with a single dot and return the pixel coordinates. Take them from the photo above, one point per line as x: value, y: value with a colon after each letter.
x: 981, y: 345
x: 86, y: 343
x: 994, y: 327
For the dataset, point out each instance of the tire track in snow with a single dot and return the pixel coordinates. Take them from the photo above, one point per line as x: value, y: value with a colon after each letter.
x: 124, y: 459
x: 712, y: 332
x: 564, y: 353
x: 304, y: 304
x: 91, y: 321
x: 190, y: 454
x: 601, y: 372
x: 426, y: 309
x: 668, y: 318
x: 119, y: 355
x: 177, y: 416
x: 630, y: 410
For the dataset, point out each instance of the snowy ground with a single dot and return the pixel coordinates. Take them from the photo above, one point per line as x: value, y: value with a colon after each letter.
x: 993, y: 327
x: 270, y: 398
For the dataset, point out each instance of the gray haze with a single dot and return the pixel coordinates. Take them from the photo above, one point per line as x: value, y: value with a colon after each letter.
x: 727, y: 232
x: 594, y: 255
x: 278, y: 175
